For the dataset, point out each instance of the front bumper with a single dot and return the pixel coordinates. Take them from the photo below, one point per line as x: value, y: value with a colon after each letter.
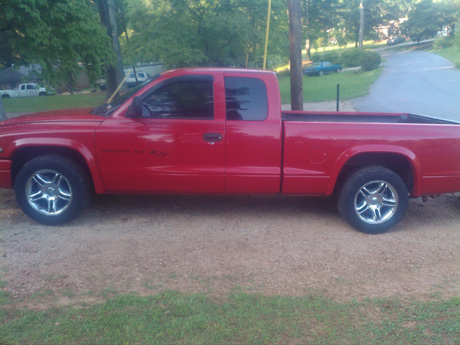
x: 5, y: 173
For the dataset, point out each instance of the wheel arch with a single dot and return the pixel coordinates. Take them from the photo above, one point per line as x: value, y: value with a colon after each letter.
x: 397, y: 159
x: 25, y: 153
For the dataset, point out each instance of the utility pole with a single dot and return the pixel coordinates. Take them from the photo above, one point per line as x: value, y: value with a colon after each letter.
x: 295, y: 53
x: 361, y: 24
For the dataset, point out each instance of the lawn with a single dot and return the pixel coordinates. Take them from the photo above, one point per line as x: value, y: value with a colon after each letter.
x: 451, y: 53
x: 318, y: 89
x: 239, y: 318
x: 32, y: 104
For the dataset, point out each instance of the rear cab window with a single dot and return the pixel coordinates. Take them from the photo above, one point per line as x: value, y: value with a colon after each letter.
x: 245, y: 99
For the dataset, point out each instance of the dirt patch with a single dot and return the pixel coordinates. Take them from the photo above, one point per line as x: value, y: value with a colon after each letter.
x: 272, y: 245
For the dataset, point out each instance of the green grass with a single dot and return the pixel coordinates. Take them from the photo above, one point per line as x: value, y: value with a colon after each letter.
x: 32, y: 104
x: 318, y: 89
x: 240, y: 318
x: 451, y: 53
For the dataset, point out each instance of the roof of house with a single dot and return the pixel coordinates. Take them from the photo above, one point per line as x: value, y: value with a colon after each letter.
x: 9, y: 75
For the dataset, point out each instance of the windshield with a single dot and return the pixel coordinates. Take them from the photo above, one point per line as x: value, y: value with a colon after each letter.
x: 106, y: 108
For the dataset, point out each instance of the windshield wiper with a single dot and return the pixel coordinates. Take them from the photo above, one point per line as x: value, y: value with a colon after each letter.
x: 101, y: 110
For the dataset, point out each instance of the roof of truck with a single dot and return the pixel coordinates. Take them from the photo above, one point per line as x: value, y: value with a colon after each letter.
x: 218, y: 69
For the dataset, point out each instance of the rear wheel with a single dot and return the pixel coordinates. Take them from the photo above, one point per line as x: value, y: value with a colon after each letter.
x: 5, y: 96
x: 52, y: 190
x: 321, y: 73
x: 373, y: 199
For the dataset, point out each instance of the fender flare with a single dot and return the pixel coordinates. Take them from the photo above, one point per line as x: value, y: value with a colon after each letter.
x: 62, y: 143
x: 390, y: 149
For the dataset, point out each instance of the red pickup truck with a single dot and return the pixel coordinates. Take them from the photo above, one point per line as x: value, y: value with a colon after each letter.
x: 221, y: 131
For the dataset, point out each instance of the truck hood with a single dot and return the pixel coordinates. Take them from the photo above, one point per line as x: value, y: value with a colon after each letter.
x: 55, y: 116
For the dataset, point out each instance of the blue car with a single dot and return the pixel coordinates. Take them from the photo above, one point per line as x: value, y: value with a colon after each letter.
x: 321, y: 68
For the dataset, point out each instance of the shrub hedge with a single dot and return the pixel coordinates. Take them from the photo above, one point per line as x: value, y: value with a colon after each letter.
x: 367, y: 59
x: 370, y: 60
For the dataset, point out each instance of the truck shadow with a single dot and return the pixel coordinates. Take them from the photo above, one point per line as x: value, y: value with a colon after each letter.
x: 211, y: 205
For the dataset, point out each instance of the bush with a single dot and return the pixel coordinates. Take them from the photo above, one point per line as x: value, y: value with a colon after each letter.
x: 443, y: 42
x: 351, y: 58
x: 370, y: 60
x: 330, y: 55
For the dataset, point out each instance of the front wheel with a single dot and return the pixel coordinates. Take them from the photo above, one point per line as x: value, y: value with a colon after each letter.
x: 52, y: 190
x: 373, y: 199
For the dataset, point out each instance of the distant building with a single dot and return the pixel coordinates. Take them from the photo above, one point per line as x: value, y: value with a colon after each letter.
x: 10, y: 79
x: 392, y: 29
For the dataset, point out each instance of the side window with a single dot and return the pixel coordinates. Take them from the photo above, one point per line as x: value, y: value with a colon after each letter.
x: 246, y: 99
x: 30, y: 87
x: 182, y: 98
x: 23, y: 87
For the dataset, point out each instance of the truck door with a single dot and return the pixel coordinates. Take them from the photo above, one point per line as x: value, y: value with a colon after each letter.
x: 253, y: 112
x: 27, y: 90
x: 178, y: 145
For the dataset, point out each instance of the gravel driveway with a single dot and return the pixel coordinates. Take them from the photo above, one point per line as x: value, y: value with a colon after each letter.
x: 214, y: 244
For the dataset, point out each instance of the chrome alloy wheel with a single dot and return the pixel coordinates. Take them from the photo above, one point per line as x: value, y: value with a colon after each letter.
x: 376, y: 202
x: 48, y: 192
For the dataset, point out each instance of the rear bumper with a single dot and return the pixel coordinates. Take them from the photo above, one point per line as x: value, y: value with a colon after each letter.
x: 5, y: 173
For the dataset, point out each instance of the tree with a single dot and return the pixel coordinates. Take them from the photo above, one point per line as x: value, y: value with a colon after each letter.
x: 63, y: 36
x: 349, y: 14
x: 295, y: 53
x: 318, y: 16
x: 361, y: 24
x: 205, y: 32
x: 428, y: 17
x: 113, y: 72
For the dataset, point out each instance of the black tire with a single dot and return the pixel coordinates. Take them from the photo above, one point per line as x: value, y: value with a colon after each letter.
x: 373, y: 199
x: 5, y: 96
x: 52, y: 190
x: 42, y: 94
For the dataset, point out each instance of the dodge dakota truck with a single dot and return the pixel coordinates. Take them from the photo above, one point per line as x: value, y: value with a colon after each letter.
x: 222, y: 131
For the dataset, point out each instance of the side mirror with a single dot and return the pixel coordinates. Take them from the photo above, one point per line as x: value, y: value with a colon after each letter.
x: 135, y: 109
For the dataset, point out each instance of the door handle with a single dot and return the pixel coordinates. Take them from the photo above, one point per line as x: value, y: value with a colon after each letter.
x: 212, y: 137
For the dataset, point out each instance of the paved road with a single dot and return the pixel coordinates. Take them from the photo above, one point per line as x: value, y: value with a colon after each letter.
x: 415, y: 82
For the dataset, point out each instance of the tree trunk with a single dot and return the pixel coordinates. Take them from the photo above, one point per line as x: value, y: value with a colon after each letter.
x: 307, y: 50
x: 2, y: 111
x: 295, y: 52
x: 361, y: 24
x: 113, y: 72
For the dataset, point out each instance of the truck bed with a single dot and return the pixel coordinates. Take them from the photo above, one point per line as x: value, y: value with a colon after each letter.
x: 307, y: 116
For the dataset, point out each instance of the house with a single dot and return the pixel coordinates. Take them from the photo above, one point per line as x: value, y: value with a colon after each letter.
x: 10, y: 79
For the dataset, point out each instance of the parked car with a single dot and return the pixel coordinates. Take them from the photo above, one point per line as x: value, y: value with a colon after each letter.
x: 396, y: 40
x: 25, y: 90
x: 321, y: 68
x: 141, y: 77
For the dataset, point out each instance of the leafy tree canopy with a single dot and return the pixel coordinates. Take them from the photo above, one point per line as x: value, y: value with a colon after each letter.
x: 205, y: 32
x: 427, y: 17
x: 60, y: 35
